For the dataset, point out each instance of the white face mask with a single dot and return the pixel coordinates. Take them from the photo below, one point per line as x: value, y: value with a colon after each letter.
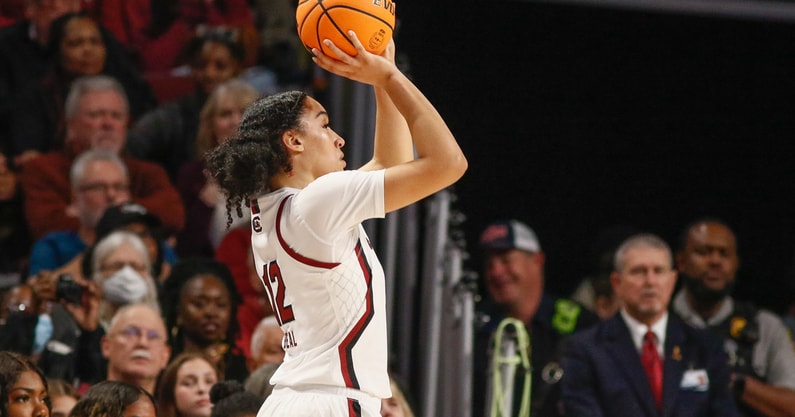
x: 125, y: 286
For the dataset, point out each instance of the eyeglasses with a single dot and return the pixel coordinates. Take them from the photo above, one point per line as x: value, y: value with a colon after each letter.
x: 135, y: 333
x: 101, y: 187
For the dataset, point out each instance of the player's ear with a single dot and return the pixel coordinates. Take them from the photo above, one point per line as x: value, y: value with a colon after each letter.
x: 292, y: 141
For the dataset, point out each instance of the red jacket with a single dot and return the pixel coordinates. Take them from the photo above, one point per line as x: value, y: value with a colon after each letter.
x: 130, y: 21
x: 47, y: 193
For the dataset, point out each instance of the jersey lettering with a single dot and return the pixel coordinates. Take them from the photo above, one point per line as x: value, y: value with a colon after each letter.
x: 274, y: 286
x: 288, y: 341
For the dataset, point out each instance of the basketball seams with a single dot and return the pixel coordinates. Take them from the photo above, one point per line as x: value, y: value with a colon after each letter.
x: 327, y: 13
x: 336, y: 26
x: 305, y: 17
x: 374, y: 16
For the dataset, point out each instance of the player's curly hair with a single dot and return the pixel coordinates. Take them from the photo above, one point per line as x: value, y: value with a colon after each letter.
x: 243, y: 165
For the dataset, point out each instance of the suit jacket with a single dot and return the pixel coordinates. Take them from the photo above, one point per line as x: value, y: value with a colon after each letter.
x: 603, y: 374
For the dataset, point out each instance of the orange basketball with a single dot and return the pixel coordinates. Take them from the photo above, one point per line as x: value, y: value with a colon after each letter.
x: 372, y: 20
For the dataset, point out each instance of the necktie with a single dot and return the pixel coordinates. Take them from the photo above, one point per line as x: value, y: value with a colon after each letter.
x: 653, y: 366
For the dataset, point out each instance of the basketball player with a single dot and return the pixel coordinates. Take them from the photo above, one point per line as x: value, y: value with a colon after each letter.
x: 325, y: 284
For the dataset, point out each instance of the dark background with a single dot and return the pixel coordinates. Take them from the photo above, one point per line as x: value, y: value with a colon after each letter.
x: 576, y: 119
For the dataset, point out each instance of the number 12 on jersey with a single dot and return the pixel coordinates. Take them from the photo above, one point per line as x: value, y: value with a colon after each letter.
x: 274, y: 286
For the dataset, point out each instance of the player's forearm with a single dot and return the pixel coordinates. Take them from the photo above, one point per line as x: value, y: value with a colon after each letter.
x: 431, y: 137
x: 393, y: 143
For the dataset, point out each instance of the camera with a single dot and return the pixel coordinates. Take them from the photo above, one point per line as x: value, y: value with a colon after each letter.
x: 68, y: 289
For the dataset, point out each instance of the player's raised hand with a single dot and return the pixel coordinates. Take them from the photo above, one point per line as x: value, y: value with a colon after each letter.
x: 365, y: 67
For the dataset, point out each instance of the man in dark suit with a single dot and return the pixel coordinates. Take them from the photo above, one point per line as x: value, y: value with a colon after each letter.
x: 644, y: 361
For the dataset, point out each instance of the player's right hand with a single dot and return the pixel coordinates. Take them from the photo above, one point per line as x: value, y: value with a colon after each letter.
x: 365, y: 67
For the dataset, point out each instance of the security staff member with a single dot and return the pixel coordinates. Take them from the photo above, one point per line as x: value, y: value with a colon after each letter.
x: 760, y: 351
x: 514, y: 277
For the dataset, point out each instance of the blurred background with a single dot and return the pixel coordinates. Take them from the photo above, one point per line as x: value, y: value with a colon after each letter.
x: 578, y: 117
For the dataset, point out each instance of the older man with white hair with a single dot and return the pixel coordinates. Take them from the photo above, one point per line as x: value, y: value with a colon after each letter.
x: 136, y: 346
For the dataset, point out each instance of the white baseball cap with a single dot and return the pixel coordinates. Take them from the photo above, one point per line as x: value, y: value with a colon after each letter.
x: 510, y: 234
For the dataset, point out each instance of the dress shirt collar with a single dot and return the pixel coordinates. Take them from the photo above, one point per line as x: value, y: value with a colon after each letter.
x: 637, y: 330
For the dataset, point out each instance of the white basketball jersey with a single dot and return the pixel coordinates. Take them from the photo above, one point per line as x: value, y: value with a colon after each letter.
x: 325, y: 282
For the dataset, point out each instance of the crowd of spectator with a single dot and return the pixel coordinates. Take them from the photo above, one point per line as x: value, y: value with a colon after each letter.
x: 128, y: 289
x: 123, y: 287
x: 655, y: 330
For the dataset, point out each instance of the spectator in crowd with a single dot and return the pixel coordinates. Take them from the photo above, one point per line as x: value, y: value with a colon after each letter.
x: 205, y: 205
x: 63, y: 397
x: 280, y: 47
x: 184, y: 387
x: 514, y: 275
x: 600, y: 265
x: 96, y: 115
x: 761, y: 354
x: 126, y: 217
x: 121, y: 268
x: 18, y: 317
x: 98, y: 179
x: 18, y: 298
x: 167, y: 134
x: 23, y: 387
x: 115, y: 398
x: 266, y: 344
x: 14, y: 236
x: 645, y: 361
x: 78, y: 48
x: 606, y: 304
x: 136, y: 346
x: 156, y: 30
x: 199, y: 303
x: 136, y: 219
x: 24, y: 58
x: 230, y: 399
x: 119, y: 277
x: 398, y: 405
x: 235, y: 252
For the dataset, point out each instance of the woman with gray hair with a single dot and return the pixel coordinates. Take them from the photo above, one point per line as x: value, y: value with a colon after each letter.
x: 120, y: 275
x: 121, y: 270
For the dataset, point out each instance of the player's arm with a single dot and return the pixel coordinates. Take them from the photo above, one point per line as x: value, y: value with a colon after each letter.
x: 392, y: 145
x: 440, y: 161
